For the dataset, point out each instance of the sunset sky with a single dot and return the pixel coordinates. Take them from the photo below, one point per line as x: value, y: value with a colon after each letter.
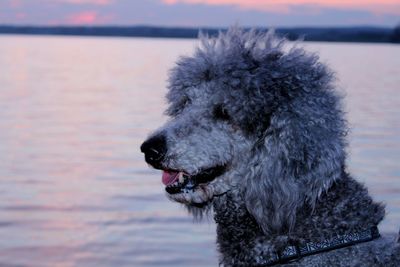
x: 214, y: 13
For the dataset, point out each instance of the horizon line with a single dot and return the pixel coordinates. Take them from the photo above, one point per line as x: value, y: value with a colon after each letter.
x: 196, y: 27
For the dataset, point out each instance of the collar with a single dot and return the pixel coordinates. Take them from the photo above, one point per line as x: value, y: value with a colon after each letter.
x: 294, y: 252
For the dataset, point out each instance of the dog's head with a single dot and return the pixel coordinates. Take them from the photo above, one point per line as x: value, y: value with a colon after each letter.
x: 248, y: 113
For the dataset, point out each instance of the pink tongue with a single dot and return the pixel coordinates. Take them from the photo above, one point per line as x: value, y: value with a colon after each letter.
x: 169, y: 177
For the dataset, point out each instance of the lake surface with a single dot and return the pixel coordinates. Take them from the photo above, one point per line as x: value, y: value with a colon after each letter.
x: 74, y: 189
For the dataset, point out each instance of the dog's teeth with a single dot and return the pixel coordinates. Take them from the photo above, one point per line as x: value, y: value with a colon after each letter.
x: 181, y: 178
x: 174, y: 184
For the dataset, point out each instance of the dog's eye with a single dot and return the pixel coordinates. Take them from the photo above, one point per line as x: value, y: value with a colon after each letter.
x: 221, y: 113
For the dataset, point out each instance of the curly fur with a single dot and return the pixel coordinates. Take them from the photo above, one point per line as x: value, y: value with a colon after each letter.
x: 272, y: 115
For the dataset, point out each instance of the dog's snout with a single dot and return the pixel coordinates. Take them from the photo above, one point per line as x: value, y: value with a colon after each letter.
x: 154, y: 149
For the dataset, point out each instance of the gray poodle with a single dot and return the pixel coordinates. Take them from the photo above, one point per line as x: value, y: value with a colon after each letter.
x: 257, y: 135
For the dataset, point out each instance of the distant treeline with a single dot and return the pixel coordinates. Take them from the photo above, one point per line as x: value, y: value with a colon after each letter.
x: 333, y: 34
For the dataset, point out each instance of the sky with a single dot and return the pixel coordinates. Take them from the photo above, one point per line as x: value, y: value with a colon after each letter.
x: 202, y: 13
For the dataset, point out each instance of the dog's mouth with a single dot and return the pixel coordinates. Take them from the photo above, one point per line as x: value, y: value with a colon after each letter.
x: 178, y: 181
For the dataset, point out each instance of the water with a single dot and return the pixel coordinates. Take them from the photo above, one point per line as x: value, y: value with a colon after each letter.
x: 74, y: 190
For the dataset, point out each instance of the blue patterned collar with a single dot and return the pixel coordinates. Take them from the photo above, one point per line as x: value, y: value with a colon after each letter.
x: 294, y: 252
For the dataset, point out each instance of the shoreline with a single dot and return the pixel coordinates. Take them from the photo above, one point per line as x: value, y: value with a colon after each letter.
x: 325, y: 34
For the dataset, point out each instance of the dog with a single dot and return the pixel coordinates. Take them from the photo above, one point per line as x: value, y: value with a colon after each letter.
x: 257, y: 135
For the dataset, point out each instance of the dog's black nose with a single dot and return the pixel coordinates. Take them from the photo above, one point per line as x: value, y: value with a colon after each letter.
x: 154, y: 149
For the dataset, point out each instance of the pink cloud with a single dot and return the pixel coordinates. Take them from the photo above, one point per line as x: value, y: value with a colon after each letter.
x: 15, y: 3
x: 92, y: 2
x: 284, y: 6
x: 87, y: 18
x: 20, y: 15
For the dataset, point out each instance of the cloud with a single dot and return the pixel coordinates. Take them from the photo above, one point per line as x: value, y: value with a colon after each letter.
x: 287, y: 6
x: 20, y: 15
x: 84, y: 2
x: 196, y: 13
x: 87, y: 18
x: 15, y: 3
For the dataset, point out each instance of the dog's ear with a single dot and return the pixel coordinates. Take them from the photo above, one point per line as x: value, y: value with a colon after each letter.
x: 298, y: 158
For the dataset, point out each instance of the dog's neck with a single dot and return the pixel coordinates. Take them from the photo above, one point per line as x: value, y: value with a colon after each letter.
x: 333, y: 214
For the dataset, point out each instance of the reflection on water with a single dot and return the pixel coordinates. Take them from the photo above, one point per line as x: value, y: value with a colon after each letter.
x: 74, y: 188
